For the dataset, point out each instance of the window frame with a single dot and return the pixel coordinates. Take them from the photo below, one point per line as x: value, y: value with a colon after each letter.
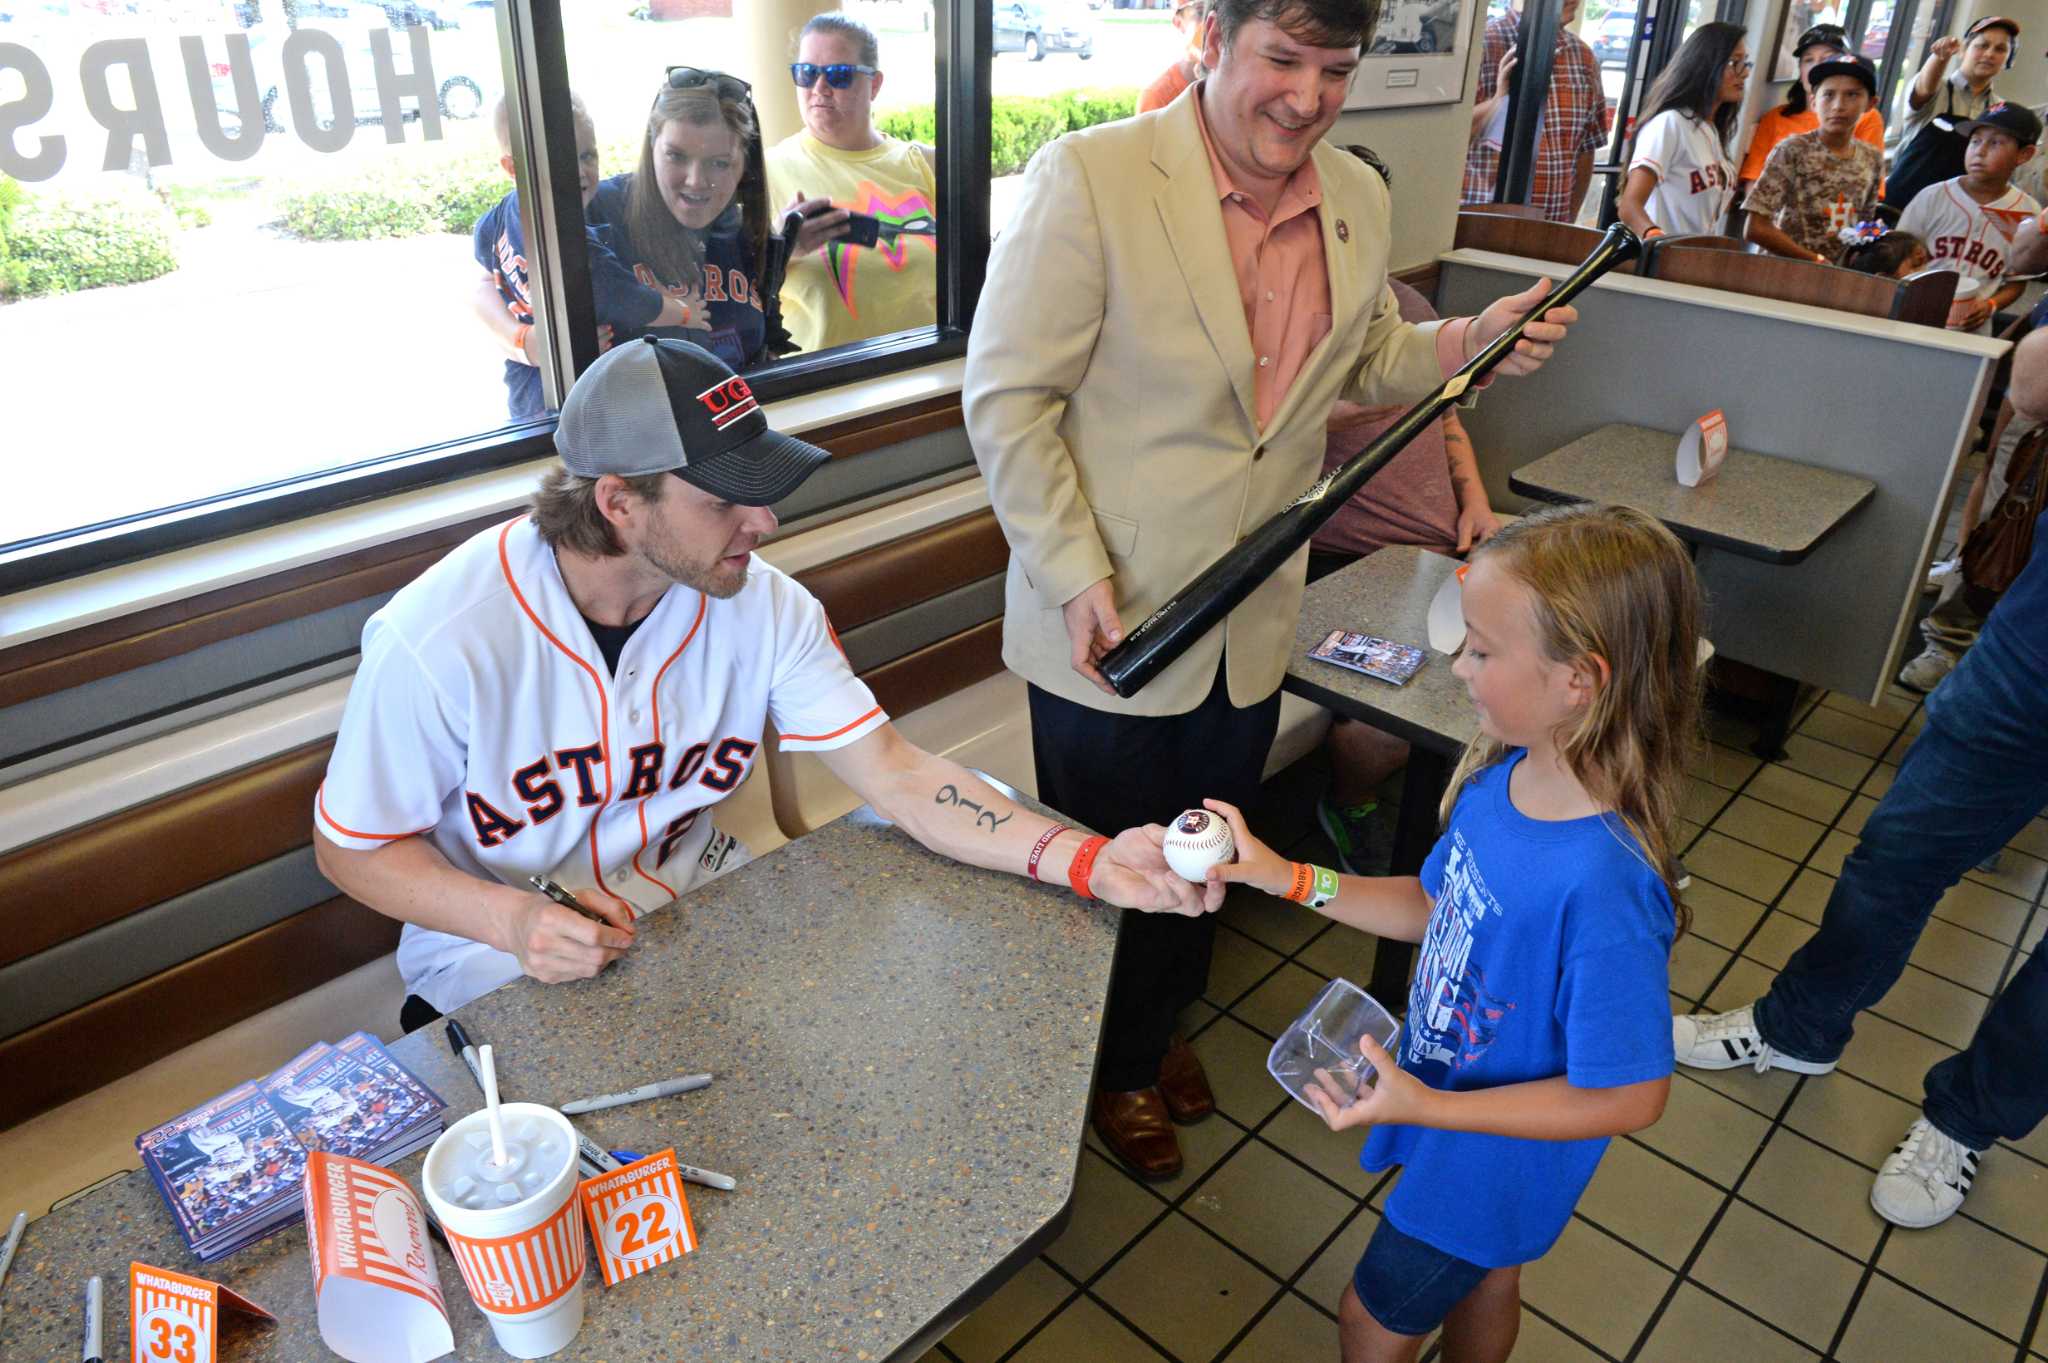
x: 532, y: 45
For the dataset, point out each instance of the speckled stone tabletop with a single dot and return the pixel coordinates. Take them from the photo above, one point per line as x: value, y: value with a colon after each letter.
x: 1759, y: 506
x: 1388, y: 594
x: 903, y: 1048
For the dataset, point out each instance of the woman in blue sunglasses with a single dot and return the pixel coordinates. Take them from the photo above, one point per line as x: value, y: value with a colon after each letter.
x: 866, y: 276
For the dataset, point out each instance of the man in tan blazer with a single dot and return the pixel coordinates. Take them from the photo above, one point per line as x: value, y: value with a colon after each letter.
x: 1168, y: 318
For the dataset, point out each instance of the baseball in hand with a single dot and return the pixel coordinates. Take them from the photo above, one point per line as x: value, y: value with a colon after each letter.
x: 1195, y: 841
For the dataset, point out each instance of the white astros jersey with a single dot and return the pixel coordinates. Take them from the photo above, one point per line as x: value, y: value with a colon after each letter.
x: 1973, y: 239
x: 483, y: 719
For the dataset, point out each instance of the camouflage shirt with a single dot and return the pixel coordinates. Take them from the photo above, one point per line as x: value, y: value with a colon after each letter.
x: 1811, y: 194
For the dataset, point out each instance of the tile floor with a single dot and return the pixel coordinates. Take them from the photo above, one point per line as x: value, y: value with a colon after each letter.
x: 1737, y: 1228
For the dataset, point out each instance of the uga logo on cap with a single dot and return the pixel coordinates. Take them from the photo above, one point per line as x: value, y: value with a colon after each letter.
x: 728, y: 402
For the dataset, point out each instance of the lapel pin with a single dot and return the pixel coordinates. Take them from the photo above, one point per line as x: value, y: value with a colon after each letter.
x: 1343, y: 230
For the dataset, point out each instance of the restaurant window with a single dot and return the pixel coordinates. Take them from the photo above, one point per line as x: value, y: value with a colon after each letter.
x: 1059, y: 65
x: 241, y: 272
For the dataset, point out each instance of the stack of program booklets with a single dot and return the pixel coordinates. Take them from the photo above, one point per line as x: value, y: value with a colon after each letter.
x: 231, y: 1170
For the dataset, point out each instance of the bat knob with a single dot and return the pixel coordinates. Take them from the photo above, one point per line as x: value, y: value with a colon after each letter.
x: 1622, y: 238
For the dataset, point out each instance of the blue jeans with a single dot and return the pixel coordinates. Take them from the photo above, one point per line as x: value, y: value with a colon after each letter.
x: 1410, y: 1286
x: 1974, y: 777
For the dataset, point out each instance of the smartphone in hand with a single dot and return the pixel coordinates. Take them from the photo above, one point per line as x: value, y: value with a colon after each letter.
x: 862, y: 229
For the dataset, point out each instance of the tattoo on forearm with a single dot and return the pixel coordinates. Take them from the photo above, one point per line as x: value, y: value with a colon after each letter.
x: 950, y: 795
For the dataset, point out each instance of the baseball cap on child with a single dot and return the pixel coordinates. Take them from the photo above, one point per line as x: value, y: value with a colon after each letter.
x: 1856, y: 67
x: 2015, y: 119
x: 662, y: 406
x: 1822, y: 35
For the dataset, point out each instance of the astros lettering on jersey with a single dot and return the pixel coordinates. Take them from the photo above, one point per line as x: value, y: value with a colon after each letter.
x: 483, y: 719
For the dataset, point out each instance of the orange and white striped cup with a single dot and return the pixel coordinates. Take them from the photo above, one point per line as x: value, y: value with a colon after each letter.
x: 522, y: 1260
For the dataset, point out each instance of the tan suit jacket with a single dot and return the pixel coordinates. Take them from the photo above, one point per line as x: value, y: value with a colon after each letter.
x: 1109, y: 395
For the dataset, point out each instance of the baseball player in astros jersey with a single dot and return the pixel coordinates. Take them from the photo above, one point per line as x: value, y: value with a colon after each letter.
x: 570, y: 693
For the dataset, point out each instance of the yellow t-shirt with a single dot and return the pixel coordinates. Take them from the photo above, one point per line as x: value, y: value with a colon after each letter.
x: 845, y: 292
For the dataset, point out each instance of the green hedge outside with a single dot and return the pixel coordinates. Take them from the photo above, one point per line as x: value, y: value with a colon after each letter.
x: 395, y: 203
x: 452, y: 195
x: 61, y: 245
x: 445, y: 196
x: 1020, y: 124
x: 13, y: 274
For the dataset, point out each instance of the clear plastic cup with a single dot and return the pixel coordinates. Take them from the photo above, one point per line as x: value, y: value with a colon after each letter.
x: 1321, y: 1046
x: 515, y: 1230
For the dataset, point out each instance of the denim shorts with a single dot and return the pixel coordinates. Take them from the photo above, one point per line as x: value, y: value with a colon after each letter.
x: 1407, y: 1286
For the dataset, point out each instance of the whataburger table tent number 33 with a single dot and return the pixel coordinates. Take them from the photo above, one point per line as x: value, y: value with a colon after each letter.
x: 175, y: 1318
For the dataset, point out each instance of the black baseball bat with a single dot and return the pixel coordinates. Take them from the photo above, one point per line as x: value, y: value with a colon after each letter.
x: 1191, y: 612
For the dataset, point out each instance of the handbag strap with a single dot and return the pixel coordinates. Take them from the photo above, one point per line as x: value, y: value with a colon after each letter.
x: 2026, y: 463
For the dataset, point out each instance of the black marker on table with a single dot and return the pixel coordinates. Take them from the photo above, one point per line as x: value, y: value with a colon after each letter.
x: 594, y: 1158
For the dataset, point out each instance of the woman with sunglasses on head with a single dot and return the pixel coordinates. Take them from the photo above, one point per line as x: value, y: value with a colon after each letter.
x: 845, y: 287
x: 1680, y: 175
x: 693, y: 219
x: 1821, y: 43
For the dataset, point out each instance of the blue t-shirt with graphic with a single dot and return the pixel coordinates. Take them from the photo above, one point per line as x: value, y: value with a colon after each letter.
x: 739, y: 325
x: 1547, y: 953
x: 620, y: 301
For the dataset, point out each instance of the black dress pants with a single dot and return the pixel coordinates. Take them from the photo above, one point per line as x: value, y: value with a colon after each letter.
x: 1114, y: 771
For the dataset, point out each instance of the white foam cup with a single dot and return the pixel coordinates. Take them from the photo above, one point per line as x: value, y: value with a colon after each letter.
x: 515, y: 1230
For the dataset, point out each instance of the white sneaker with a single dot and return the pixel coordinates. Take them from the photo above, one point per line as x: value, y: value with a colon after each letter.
x: 1925, y: 672
x: 1923, y: 1182
x: 1722, y: 1041
x: 1939, y: 572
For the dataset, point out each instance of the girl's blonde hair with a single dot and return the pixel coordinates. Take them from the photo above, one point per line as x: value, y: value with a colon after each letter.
x: 1612, y: 585
x: 670, y: 248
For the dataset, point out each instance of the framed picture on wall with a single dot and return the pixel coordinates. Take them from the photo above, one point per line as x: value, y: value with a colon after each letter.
x: 1418, y: 55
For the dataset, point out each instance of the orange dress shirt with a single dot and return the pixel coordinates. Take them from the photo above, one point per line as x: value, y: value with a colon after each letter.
x: 1281, y: 274
x: 1284, y: 281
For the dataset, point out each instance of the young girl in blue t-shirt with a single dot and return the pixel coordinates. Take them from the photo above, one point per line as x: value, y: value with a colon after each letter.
x: 1538, y: 1024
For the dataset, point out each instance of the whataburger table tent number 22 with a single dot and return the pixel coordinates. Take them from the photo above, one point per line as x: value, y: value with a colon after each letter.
x: 638, y: 1217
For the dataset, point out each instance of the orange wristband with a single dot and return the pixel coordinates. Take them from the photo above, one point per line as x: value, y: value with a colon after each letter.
x: 1083, y: 863
x: 519, y: 338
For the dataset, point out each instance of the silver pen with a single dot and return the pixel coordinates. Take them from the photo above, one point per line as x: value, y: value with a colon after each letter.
x: 92, y: 1352
x: 7, y: 1249
x: 564, y: 898
x: 663, y: 1088
x: 692, y: 1174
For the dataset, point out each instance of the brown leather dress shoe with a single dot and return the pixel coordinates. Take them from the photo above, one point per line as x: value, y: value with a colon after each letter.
x: 1183, y: 1085
x: 1137, y: 1130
